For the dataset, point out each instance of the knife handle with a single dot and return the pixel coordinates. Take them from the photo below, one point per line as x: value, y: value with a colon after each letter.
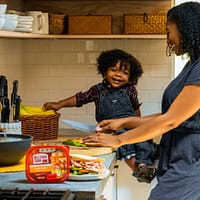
x: 16, y: 109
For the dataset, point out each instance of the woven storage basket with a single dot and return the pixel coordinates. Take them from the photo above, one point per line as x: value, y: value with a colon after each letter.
x: 41, y: 127
x: 90, y: 24
x: 56, y: 23
x: 145, y: 24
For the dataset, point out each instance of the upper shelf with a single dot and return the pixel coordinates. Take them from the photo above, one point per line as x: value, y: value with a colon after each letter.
x: 11, y: 34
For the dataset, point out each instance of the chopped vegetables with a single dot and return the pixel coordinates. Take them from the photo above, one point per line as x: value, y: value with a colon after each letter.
x: 74, y: 142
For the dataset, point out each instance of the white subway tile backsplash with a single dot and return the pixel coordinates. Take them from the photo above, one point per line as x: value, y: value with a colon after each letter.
x: 73, y: 58
x: 150, y: 108
x: 150, y: 58
x: 4, y: 61
x: 34, y: 97
x: 144, y: 96
x: 61, y: 70
x: 90, y: 45
x: 154, y: 83
x: 48, y: 83
x: 49, y: 58
x: 92, y: 58
x: 158, y: 45
x: 58, y: 94
x: 92, y: 81
x: 159, y: 71
x: 29, y: 58
x: 36, y: 70
x: 60, y: 45
x: 36, y: 45
x: 84, y: 70
x: 78, y: 83
x: 140, y: 45
x: 104, y: 45
x: 78, y: 45
x: 117, y: 44
x: 155, y: 96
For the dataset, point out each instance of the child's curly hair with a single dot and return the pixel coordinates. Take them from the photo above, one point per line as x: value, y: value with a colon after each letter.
x: 187, y: 18
x: 110, y: 58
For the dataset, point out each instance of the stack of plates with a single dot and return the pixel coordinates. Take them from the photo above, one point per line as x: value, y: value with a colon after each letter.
x: 25, y: 24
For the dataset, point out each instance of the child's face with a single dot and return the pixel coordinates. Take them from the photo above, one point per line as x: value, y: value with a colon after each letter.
x: 118, y: 76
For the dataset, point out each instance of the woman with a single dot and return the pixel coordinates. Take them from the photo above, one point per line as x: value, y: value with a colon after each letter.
x: 179, y: 123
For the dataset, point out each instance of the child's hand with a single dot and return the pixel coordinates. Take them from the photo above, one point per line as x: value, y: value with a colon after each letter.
x: 51, y: 106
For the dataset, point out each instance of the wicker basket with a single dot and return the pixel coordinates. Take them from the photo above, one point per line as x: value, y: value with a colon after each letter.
x: 41, y: 127
x: 56, y: 23
x: 145, y: 24
x: 90, y: 24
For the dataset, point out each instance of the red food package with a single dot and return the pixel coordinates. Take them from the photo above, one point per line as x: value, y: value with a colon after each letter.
x: 47, y: 164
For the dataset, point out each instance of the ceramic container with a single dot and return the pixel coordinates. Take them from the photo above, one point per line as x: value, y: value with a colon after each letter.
x: 38, y: 21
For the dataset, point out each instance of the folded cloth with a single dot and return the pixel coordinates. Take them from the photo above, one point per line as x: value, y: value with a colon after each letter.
x: 25, y: 18
x: 25, y: 23
x: 28, y: 30
x: 14, y: 168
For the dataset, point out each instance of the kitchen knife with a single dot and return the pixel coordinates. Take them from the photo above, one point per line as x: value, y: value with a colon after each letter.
x: 5, y: 112
x: 84, y: 127
x: 14, y: 92
x: 17, y: 109
x: 15, y: 101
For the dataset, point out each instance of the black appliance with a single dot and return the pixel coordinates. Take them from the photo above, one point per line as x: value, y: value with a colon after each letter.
x: 36, y: 194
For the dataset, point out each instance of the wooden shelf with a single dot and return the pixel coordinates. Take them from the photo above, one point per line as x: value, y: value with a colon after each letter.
x: 12, y: 34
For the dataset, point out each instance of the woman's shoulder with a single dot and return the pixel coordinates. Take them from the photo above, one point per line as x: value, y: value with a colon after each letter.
x: 194, y: 72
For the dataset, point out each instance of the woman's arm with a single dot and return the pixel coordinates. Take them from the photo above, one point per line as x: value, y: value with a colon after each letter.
x: 128, y: 122
x: 186, y: 104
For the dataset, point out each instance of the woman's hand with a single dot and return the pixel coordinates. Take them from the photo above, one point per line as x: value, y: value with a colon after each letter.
x: 112, y: 125
x: 102, y: 140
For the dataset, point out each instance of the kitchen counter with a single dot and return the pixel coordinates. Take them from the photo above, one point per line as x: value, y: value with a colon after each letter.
x: 84, y: 190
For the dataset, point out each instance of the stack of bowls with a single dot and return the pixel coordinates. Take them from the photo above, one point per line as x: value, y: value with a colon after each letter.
x: 11, y: 21
x: 3, y: 8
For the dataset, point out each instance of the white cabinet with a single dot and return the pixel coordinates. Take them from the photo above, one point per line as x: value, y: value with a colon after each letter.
x: 110, y: 191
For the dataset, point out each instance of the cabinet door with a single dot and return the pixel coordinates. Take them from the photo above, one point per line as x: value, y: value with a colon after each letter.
x: 110, y: 189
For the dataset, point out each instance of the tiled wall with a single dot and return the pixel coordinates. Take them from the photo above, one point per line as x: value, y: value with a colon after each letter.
x: 53, y: 69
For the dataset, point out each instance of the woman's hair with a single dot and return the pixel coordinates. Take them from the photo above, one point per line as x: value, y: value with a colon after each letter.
x: 187, y: 18
x: 112, y: 57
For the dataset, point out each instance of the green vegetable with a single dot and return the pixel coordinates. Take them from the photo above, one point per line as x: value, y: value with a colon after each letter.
x: 72, y: 142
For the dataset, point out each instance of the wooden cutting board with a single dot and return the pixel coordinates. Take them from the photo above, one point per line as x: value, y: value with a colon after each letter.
x: 90, y: 151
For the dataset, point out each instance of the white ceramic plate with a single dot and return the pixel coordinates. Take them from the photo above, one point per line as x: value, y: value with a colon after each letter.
x: 89, y: 177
